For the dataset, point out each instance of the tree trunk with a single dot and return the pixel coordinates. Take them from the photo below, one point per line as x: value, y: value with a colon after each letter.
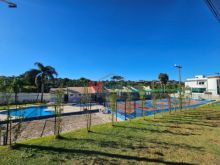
x: 16, y: 98
x: 125, y: 109
x: 135, y: 109
x: 55, y: 121
x: 42, y: 92
x: 7, y: 126
x: 90, y: 116
x: 116, y: 109
x: 10, y: 133
x: 0, y: 136
x: 112, y: 119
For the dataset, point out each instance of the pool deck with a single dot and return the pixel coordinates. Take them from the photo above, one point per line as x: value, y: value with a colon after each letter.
x: 3, y: 117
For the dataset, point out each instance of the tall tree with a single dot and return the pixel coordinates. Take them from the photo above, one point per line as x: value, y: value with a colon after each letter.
x: 45, y: 74
x: 164, y: 78
x: 117, y: 78
x: 29, y: 76
x: 83, y: 82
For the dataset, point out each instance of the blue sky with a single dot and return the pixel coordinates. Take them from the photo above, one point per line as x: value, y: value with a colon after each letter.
x: 137, y: 39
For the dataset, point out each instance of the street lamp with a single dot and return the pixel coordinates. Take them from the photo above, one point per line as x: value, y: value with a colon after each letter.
x: 10, y: 4
x: 179, y: 71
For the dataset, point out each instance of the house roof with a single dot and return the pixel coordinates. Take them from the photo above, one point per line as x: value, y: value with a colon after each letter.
x: 214, y: 77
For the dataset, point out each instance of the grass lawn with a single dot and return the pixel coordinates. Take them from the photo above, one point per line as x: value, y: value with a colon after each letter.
x: 186, y: 137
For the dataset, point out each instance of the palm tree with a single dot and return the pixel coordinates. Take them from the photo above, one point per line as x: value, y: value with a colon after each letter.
x: 45, y: 73
x: 164, y: 78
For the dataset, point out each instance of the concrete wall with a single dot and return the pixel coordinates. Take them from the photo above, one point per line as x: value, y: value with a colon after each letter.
x: 74, y: 98
x: 24, y: 97
x: 199, y: 96
x: 213, y: 85
x: 205, y: 96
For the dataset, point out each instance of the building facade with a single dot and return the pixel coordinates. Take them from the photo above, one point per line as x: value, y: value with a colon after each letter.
x: 204, y: 85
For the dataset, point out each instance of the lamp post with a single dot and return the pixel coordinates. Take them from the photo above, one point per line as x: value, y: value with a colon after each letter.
x: 9, y: 3
x: 180, y: 91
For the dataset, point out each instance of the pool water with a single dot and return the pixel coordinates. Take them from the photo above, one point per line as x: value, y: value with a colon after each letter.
x: 30, y: 112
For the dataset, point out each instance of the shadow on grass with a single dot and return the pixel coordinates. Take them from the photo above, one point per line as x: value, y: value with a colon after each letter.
x: 183, y: 146
x: 164, y: 144
x: 74, y: 139
x: 157, y: 131
x: 168, y: 125
x: 157, y: 144
x: 117, y: 135
x: 180, y: 121
x: 205, y: 118
x: 94, y: 153
x: 100, y: 143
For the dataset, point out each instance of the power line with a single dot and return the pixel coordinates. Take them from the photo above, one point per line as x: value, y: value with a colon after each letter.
x: 214, y: 6
x: 9, y: 3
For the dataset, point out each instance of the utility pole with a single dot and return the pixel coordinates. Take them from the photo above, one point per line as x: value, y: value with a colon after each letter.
x: 180, y: 89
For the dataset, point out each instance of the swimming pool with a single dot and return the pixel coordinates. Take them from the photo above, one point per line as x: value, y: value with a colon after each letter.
x: 37, y: 113
x: 30, y: 112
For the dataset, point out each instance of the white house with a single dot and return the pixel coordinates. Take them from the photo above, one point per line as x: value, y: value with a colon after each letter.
x: 204, y: 85
x: 71, y: 94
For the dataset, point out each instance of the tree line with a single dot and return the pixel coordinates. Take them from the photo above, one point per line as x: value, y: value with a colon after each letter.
x: 42, y: 78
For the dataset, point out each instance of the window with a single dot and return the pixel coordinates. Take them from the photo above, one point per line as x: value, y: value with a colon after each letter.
x: 198, y: 90
x: 201, y: 83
